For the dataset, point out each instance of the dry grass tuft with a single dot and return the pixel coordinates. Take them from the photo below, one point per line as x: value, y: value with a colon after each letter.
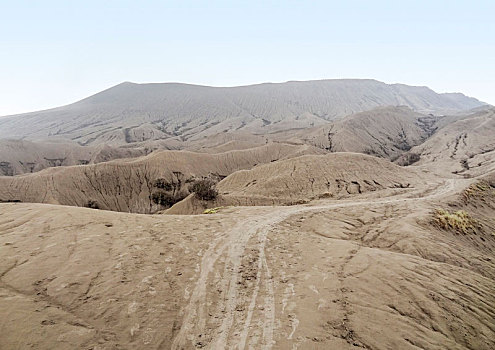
x: 212, y: 210
x: 480, y: 189
x: 459, y: 221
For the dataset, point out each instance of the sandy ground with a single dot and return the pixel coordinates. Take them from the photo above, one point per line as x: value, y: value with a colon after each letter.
x: 361, y: 264
x: 362, y: 273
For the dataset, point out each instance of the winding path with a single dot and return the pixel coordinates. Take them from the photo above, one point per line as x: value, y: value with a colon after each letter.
x: 232, y: 246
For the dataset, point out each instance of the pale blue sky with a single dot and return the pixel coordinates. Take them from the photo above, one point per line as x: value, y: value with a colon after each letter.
x: 56, y: 52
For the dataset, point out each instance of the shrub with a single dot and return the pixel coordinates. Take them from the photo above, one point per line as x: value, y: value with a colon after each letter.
x: 408, y: 159
x: 92, y: 204
x: 204, y: 189
x: 162, y: 184
x: 167, y: 199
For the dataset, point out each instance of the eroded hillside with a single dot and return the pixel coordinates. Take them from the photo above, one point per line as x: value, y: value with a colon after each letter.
x: 128, y: 185
x: 371, y: 273
x: 311, y: 177
x: 464, y: 146
x: 133, y: 113
x: 20, y: 156
x: 304, y: 247
x: 385, y: 132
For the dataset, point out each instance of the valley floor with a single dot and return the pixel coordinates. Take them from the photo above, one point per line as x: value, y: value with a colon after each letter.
x: 371, y: 273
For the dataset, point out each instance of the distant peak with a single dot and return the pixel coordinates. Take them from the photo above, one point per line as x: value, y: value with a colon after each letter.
x: 126, y: 83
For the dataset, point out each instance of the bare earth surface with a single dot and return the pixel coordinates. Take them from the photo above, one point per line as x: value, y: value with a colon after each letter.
x: 127, y: 184
x: 369, y: 272
x: 131, y: 113
x: 305, y: 249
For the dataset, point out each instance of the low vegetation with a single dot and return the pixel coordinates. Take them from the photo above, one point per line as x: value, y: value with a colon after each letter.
x: 163, y: 184
x: 204, y: 189
x: 459, y: 221
x: 407, y: 159
x: 212, y: 210
x: 167, y: 199
x: 92, y: 204
x: 483, y: 188
x: 168, y: 193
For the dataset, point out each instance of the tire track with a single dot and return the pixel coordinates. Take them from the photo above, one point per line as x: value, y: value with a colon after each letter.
x: 233, y: 244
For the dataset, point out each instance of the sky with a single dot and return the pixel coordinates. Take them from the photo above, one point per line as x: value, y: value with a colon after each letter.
x: 54, y: 53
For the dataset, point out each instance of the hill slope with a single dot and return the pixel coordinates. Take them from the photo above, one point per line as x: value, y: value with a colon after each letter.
x: 315, y: 176
x: 128, y: 185
x: 303, y: 179
x: 21, y: 156
x: 464, y: 144
x: 336, y: 275
x: 129, y: 113
x: 385, y: 132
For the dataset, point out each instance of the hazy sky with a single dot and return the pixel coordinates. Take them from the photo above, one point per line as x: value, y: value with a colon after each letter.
x: 56, y: 52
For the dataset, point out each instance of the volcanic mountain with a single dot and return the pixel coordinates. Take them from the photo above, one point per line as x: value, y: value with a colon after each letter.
x: 131, y: 113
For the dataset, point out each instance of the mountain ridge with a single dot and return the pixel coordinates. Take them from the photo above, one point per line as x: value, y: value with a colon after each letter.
x: 128, y: 112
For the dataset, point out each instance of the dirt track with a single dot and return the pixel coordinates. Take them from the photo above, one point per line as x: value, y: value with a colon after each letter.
x: 232, y: 247
x: 330, y: 275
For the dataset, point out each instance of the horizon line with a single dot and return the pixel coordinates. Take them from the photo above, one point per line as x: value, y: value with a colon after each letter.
x: 236, y: 86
